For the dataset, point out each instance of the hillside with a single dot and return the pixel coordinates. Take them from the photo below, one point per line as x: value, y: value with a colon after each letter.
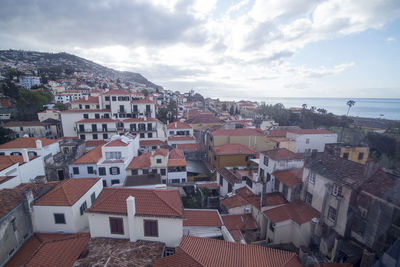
x: 71, y: 62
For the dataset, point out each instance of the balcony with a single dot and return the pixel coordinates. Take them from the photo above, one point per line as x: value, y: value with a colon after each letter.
x: 97, y: 130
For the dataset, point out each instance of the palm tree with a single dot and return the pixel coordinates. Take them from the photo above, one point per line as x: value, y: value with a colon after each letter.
x: 304, y: 106
x: 350, y: 103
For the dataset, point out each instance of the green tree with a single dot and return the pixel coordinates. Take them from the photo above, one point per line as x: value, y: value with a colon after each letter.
x: 60, y: 106
x: 350, y: 103
x: 5, y: 135
x: 232, y: 110
x: 30, y: 103
x: 145, y: 92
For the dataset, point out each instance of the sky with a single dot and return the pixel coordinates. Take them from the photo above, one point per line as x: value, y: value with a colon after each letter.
x: 225, y: 49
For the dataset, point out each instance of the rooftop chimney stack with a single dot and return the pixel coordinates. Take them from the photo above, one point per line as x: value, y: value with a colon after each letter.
x: 131, y: 209
x: 25, y: 155
x: 39, y: 144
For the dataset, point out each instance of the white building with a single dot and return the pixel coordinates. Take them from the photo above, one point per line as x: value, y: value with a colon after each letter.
x: 71, y: 116
x: 28, y: 81
x: 202, y: 223
x: 96, y: 129
x: 308, y: 140
x: 138, y: 214
x: 62, y: 209
x: 108, y: 161
x: 15, y: 170
x: 277, y: 159
x: 146, y: 128
x: 176, y: 167
x: 35, y: 146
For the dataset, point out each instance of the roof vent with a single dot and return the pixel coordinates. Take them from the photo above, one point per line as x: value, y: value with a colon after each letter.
x: 26, y: 135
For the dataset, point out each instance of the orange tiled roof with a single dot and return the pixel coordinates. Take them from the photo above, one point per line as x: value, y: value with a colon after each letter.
x: 139, y: 162
x: 239, y: 222
x: 281, y: 154
x: 188, y: 147
x: 197, y: 251
x: 176, y: 158
x: 85, y: 110
x: 142, y: 101
x: 289, y: 177
x: 181, y: 138
x: 161, y: 152
x: 201, y: 218
x: 152, y: 143
x: 27, y: 142
x: 91, y: 99
x: 117, y: 143
x: 178, y: 125
x: 67, y: 192
x: 298, y: 211
x: 233, y: 149
x: 7, y: 161
x: 149, y: 202
x: 234, y: 201
x: 117, y: 92
x: 210, y: 186
x: 91, y: 157
x: 238, y: 132
x: 50, y: 250
x: 91, y: 143
x: 277, y: 133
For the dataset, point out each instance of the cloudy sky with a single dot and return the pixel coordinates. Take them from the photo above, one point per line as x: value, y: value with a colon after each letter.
x: 225, y: 49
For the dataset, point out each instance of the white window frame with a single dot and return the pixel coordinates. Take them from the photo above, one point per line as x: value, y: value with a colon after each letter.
x: 113, y: 155
x: 311, y: 178
x: 336, y: 190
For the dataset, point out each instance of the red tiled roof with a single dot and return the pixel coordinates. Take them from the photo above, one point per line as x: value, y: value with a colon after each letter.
x: 50, y: 250
x: 236, y: 234
x: 239, y: 222
x: 233, y: 149
x: 188, y: 147
x: 99, y: 120
x: 201, y: 218
x: 91, y: 157
x: 281, y: 154
x: 140, y: 120
x: 91, y: 99
x: 117, y: 143
x: 277, y: 133
x: 11, y: 197
x: 27, y: 142
x: 310, y: 131
x: 67, y: 192
x: 203, y: 118
x: 142, y: 161
x: 176, y: 158
x: 149, y: 202
x: 7, y: 161
x: 85, y: 110
x: 161, y: 152
x: 94, y: 143
x: 178, y: 125
x: 245, y: 196
x: 24, y: 123
x: 289, y: 177
x: 238, y: 132
x: 117, y: 92
x: 197, y: 251
x: 152, y: 143
x: 234, y: 201
x: 298, y: 211
x: 181, y: 138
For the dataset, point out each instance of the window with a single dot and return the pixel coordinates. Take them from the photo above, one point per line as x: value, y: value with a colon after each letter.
x: 141, y: 135
x: 83, y: 207
x: 308, y: 198
x: 90, y: 170
x: 266, y: 161
x: 105, y: 136
x: 86, y: 116
x: 150, y: 228
x: 32, y: 153
x: 106, y: 116
x: 114, y: 98
x: 107, y: 98
x: 145, y: 171
x: 221, y: 180
x: 116, y: 226
x: 95, y: 136
x: 360, y: 156
x: 307, y: 140
x: 154, y: 171
x: 311, y: 178
x: 82, y: 137
x: 150, y: 135
x: 336, y: 190
x: 75, y: 170
x: 93, y: 197
x: 277, y: 184
x: 80, y: 106
x: 332, y: 214
x: 108, y: 106
x: 113, y: 155
x: 97, y: 116
x: 346, y: 155
x: 59, y: 218
x: 114, y: 181
x: 134, y: 172
x: 87, y: 106
x: 163, y: 172
x: 175, y: 181
x: 159, y: 161
x: 102, y: 171
x: 285, y: 190
x: 114, y: 170
x: 104, y: 183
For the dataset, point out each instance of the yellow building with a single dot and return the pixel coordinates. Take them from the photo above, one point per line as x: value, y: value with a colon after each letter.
x: 354, y: 153
x: 204, y: 121
x: 283, y: 142
x: 230, y: 155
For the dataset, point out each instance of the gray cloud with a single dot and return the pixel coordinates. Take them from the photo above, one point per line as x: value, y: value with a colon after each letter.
x: 264, y: 33
x: 93, y: 23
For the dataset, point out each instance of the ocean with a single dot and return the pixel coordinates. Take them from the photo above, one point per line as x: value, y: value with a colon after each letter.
x: 385, y: 108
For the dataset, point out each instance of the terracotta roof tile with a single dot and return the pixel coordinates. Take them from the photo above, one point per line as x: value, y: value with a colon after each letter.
x: 298, y: 211
x: 197, y: 251
x: 181, y: 138
x: 50, y: 250
x: 86, y: 111
x: 188, y: 147
x: 203, y: 119
x: 210, y: 186
x: 7, y: 161
x: 116, y: 143
x: 229, y: 175
x: 139, y: 162
x: 12, y: 197
x: 176, y: 158
x: 142, y: 101
x: 277, y: 133
x: 178, y: 125
x: 67, y: 192
x: 238, y: 132
x: 151, y: 202
x: 94, y: 143
x: 201, y: 218
x: 234, y: 201
x: 152, y: 143
x: 281, y: 154
x: 233, y: 149
x: 289, y: 177
x: 91, y: 99
x: 91, y: 157
x: 239, y: 222
x: 27, y: 142
x: 161, y: 152
x: 117, y: 92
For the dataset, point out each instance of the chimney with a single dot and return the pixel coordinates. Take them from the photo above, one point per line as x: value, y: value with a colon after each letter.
x: 25, y: 155
x: 176, y: 125
x: 38, y: 144
x: 131, y: 209
x: 145, y: 118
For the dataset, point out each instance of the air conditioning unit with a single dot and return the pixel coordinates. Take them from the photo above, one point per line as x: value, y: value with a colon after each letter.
x: 247, y: 210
